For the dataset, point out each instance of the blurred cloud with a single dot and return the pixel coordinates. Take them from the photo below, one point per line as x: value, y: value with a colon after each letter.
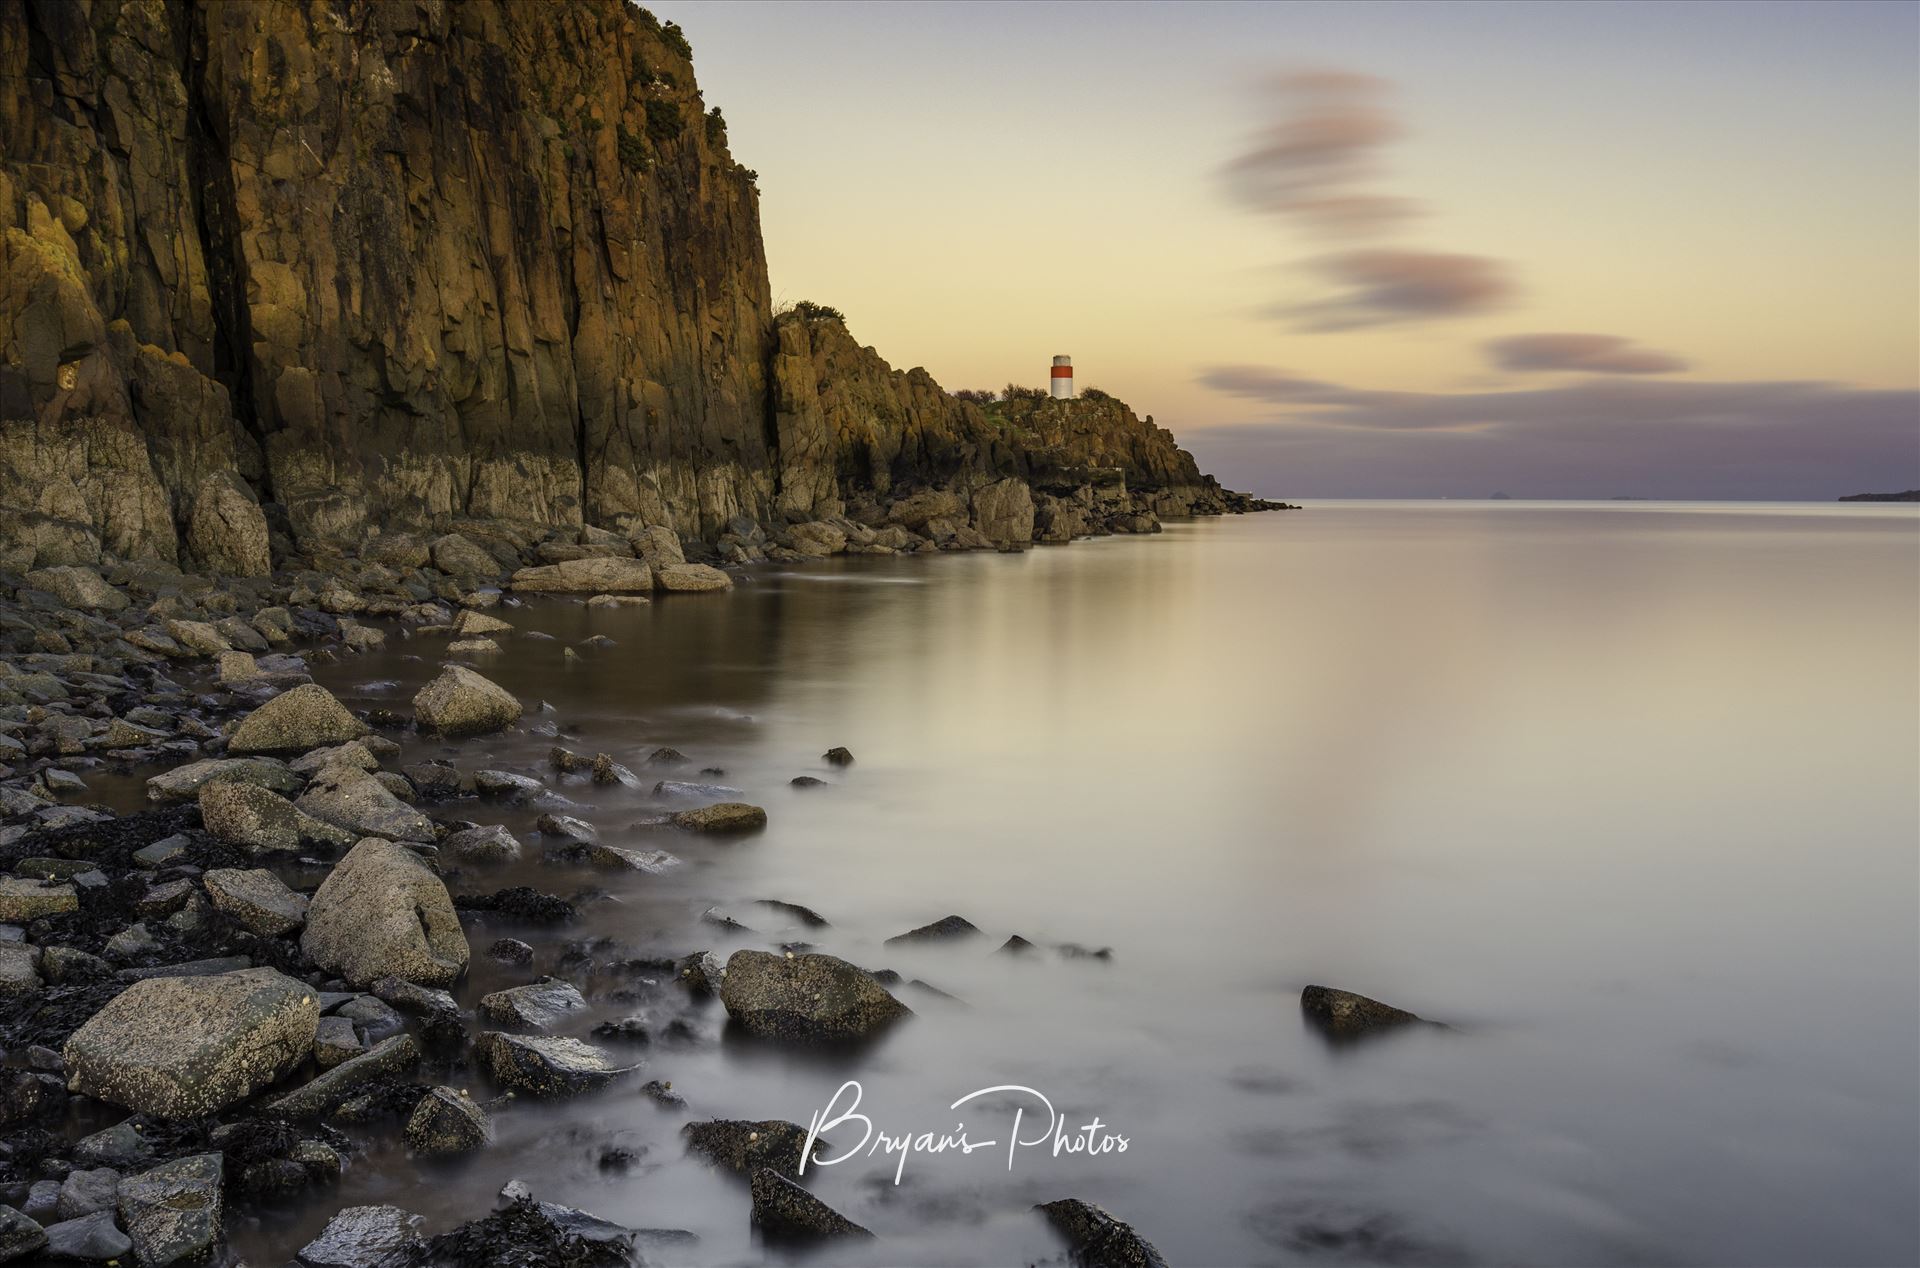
x: 1312, y: 159
x: 1597, y: 354
x: 1381, y: 286
x: 1599, y: 437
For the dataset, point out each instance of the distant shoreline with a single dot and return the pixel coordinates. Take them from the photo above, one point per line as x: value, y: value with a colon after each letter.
x: 1911, y: 495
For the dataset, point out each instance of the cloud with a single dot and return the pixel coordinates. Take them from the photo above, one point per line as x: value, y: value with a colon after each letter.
x: 1381, y: 286
x: 1596, y: 354
x: 1311, y: 162
x: 1599, y: 437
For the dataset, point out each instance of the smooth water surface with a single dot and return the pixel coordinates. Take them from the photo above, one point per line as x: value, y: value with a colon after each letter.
x: 1626, y: 793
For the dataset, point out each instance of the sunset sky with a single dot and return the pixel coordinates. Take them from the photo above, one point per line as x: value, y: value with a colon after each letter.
x: 1372, y: 250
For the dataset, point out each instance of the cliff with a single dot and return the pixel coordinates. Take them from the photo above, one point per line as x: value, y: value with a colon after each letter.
x: 333, y: 267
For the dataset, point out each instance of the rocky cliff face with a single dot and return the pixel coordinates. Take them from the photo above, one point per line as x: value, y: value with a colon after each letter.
x: 338, y: 266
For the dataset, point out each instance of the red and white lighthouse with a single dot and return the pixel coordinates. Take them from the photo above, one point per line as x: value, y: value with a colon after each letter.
x: 1063, y: 378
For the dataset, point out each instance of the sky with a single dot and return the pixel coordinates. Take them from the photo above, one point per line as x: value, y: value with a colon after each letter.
x: 1372, y: 250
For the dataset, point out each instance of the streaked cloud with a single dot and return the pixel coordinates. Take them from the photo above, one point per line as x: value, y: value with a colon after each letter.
x: 1594, y: 354
x: 1382, y: 286
x: 1313, y: 157
x: 1597, y: 437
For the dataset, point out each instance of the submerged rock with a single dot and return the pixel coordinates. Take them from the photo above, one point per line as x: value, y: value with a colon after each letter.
x: 530, y: 1233
x: 179, y: 1047
x: 806, y: 998
x: 945, y: 929
x: 91, y: 1239
x: 725, y: 816
x: 298, y: 719
x: 461, y: 702
x: 783, y: 1211
x: 381, y: 912
x: 805, y: 915
x: 172, y: 1212
x: 491, y: 844
x: 447, y: 1122
x: 537, y: 1006
x: 1097, y: 1239
x: 547, y: 1067
x: 364, y: 1237
x: 745, y: 1147
x: 837, y: 756
x: 1344, y: 1015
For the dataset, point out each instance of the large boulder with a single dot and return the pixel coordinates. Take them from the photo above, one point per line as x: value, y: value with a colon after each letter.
x: 172, y: 1212
x: 181, y: 1047
x: 461, y: 702
x: 806, y: 998
x: 691, y: 578
x: 226, y: 530
x: 381, y: 912
x: 1003, y: 512
x: 298, y: 719
x: 262, y: 822
x: 183, y: 783
x: 658, y: 545
x: 458, y: 556
x: 599, y: 575
x: 350, y: 798
x: 80, y: 588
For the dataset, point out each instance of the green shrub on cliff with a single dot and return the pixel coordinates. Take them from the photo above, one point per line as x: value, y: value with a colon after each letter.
x: 1014, y: 392
x: 633, y: 151
x: 977, y: 396
x: 807, y: 310
x: 663, y: 120
x: 716, y: 127
x: 676, y: 39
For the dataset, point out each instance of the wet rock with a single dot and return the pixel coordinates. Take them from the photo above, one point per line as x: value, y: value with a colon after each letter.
x: 183, y: 783
x: 691, y: 578
x: 336, y: 1041
x: 93, y: 1239
x: 472, y: 647
x: 837, y: 757
x: 491, y: 844
x: 539, y: 1005
x: 522, y: 903
x: 527, y: 1232
x: 945, y: 929
x: 511, y: 951
x: 461, y: 702
x: 666, y: 755
x: 372, y: 1016
x: 385, y: 1059
x: 355, y: 754
x: 298, y: 719
x: 179, y: 1047
x: 608, y: 771
x: 1097, y: 1239
x: 805, y: 915
x: 236, y: 668
x: 472, y: 624
x: 360, y: 803
x: 364, y: 1237
x: 85, y: 1191
x: 458, y: 556
x: 621, y: 858
x: 806, y: 998
x: 20, y: 1236
x: 681, y: 788
x: 544, y: 1066
x: 725, y: 816
x: 1074, y: 951
x: 197, y: 637
x: 447, y: 1122
x: 172, y: 1212
x: 1344, y: 1015
x: 80, y: 588
x: 19, y: 969
x: 380, y: 912
x: 566, y: 827
x: 120, y: 1146
x: 264, y: 822
x: 746, y: 1147
x: 1015, y: 945
x: 701, y: 972
x: 256, y: 898
x: 22, y: 899
x: 807, y: 781
x: 506, y: 784
x: 598, y: 575
x: 783, y: 1211
x: 131, y: 943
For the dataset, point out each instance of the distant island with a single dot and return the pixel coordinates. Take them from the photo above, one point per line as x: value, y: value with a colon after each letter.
x: 1911, y: 495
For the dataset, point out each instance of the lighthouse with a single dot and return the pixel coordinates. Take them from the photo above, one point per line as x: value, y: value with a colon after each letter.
x: 1063, y: 378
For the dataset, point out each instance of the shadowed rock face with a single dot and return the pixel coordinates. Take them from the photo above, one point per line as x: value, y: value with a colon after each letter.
x: 272, y: 267
x: 1342, y: 1015
x: 1096, y: 1238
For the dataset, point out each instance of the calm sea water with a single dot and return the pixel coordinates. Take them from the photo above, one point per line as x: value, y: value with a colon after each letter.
x: 1626, y: 793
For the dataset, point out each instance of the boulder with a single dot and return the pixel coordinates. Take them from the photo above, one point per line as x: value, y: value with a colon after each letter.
x: 447, y: 1122
x: 354, y: 754
x: 806, y: 998
x: 1095, y: 1237
x: 472, y: 624
x: 226, y: 529
x: 458, y: 556
x: 945, y: 929
x: 79, y: 588
x: 691, y: 578
x: 461, y: 702
x: 92, y: 1239
x: 183, y: 783
x: 364, y: 1237
x: 745, y: 1147
x: 658, y: 545
x: 237, y: 667
x: 198, y: 637
x: 350, y: 798
x: 783, y: 1211
x: 1344, y: 1015
x: 725, y: 816
x: 19, y: 969
x: 180, y: 1047
x: 384, y: 1060
x: 817, y: 538
x: 1003, y: 512
x: 263, y: 822
x: 257, y: 899
x: 537, y: 1006
x: 566, y: 827
x: 336, y: 1041
x: 837, y: 756
x: 490, y: 844
x: 620, y: 858
x: 609, y: 575
x: 23, y: 899
x: 85, y: 1191
x: 544, y: 1066
x: 298, y: 719
x: 380, y: 912
x: 172, y: 1212
x: 19, y: 1235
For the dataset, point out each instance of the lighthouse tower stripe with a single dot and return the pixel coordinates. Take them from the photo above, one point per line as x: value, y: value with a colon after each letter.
x: 1062, y: 371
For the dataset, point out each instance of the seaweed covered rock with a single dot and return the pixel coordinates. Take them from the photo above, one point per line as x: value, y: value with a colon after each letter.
x: 783, y: 1211
x: 806, y: 998
x: 381, y: 912
x: 364, y: 1237
x: 447, y: 1122
x: 745, y: 1147
x: 180, y: 1047
x: 1096, y: 1238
